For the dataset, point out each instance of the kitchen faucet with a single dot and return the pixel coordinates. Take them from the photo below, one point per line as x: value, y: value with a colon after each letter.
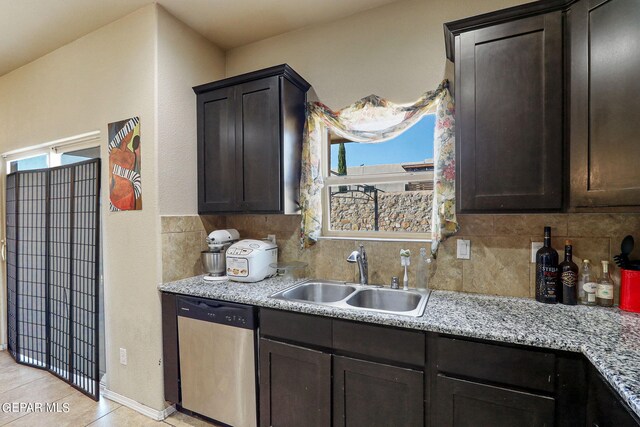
x: 361, y: 258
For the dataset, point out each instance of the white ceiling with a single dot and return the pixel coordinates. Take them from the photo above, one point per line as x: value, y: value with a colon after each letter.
x: 30, y: 29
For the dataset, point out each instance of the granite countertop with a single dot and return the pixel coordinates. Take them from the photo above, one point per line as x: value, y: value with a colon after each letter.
x: 608, y: 337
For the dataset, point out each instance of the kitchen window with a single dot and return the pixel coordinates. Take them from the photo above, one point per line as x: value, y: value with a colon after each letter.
x: 55, y: 153
x: 39, y: 161
x: 380, y: 190
x: 385, y: 189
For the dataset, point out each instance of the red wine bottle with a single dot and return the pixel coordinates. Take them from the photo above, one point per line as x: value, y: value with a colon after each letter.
x: 547, y: 271
x: 568, y: 272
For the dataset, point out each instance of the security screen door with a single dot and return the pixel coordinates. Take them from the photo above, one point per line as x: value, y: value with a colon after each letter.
x: 53, y: 271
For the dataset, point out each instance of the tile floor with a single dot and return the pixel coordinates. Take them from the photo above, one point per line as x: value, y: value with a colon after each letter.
x: 19, y: 383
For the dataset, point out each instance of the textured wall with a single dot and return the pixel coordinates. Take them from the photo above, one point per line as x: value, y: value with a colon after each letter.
x: 185, y: 59
x: 108, y: 75
x: 105, y: 76
x: 395, y: 51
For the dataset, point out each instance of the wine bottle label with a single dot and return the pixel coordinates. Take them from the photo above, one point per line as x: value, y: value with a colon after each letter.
x: 605, y: 291
x: 546, y: 281
x: 569, y: 278
x: 590, y: 287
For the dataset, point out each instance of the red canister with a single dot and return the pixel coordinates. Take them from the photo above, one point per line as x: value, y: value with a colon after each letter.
x: 630, y: 290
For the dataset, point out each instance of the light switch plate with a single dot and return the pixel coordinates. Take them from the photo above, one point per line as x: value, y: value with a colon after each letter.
x: 534, y: 248
x: 123, y: 356
x: 463, y: 249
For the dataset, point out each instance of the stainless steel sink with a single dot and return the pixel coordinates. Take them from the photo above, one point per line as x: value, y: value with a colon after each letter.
x: 319, y: 291
x: 386, y: 300
x: 356, y: 297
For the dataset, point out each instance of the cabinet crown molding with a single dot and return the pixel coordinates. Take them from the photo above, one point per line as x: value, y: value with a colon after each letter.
x: 454, y: 28
x: 279, y: 70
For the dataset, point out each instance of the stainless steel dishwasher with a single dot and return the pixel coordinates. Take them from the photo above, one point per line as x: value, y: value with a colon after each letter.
x: 217, y: 344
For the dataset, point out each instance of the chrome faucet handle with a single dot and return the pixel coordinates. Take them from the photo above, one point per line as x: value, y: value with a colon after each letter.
x: 353, y: 257
x: 363, y: 253
x: 394, y: 283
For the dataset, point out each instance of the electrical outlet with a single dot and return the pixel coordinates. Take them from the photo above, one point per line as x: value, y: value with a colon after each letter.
x: 272, y: 237
x: 534, y: 248
x: 463, y: 249
x: 123, y: 356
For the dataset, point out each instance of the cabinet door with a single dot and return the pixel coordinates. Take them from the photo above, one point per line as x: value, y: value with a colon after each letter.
x: 295, y: 386
x: 367, y: 394
x: 259, y: 145
x: 171, y: 359
x: 509, y: 110
x: 217, y: 174
x: 605, y: 103
x: 463, y: 403
x: 604, y: 408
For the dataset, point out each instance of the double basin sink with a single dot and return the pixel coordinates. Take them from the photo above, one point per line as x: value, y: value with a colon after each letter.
x: 360, y: 297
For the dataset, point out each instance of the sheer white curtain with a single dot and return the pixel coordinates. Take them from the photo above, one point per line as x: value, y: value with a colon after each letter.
x: 372, y: 120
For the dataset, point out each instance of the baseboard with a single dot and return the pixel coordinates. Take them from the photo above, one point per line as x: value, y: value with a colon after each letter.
x: 137, y: 406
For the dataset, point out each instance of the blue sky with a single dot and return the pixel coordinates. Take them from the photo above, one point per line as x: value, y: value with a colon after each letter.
x: 36, y: 162
x: 414, y: 145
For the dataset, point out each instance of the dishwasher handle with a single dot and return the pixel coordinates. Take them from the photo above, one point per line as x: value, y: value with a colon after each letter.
x: 222, y: 312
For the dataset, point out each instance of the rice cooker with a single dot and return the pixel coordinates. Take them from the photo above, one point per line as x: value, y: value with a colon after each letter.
x: 249, y: 260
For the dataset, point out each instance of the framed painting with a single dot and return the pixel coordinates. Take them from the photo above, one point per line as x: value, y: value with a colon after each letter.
x: 125, y: 187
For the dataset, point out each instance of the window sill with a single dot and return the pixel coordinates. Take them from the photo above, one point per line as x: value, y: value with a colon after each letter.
x: 377, y: 239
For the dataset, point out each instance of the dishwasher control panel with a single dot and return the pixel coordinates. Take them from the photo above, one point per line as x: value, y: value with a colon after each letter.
x: 222, y: 312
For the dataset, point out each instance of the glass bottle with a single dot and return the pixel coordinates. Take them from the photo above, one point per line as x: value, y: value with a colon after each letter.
x: 587, y: 285
x: 547, y: 271
x: 422, y: 270
x: 568, y: 272
x: 604, y: 296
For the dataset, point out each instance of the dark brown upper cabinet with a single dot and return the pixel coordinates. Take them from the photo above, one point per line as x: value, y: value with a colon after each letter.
x: 509, y: 104
x: 547, y: 103
x: 604, y: 103
x: 250, y: 131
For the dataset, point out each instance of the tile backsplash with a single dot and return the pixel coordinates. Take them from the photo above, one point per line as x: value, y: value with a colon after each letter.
x: 183, y: 238
x: 500, y: 248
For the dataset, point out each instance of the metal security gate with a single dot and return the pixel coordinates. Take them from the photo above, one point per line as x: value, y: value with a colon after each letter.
x: 53, y: 271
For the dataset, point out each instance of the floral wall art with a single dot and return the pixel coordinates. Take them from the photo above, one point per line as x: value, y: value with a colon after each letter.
x: 125, y: 190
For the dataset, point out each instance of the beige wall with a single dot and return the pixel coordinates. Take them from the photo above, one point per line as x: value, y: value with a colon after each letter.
x: 395, y: 51
x: 103, y: 77
x: 185, y: 59
x: 144, y: 64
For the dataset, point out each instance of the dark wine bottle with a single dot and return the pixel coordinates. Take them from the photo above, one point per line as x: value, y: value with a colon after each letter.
x: 547, y: 271
x: 568, y: 272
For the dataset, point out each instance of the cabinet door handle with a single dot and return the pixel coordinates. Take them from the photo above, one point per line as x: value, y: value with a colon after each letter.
x: 4, y: 250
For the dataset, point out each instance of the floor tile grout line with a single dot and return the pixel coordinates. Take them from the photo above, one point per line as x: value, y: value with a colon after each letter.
x: 100, y: 417
x: 27, y: 383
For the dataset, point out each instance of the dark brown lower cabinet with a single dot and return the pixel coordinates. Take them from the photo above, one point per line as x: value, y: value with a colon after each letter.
x: 171, y: 356
x: 461, y: 403
x: 368, y: 394
x: 295, y: 386
x: 318, y: 371
x: 604, y: 408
